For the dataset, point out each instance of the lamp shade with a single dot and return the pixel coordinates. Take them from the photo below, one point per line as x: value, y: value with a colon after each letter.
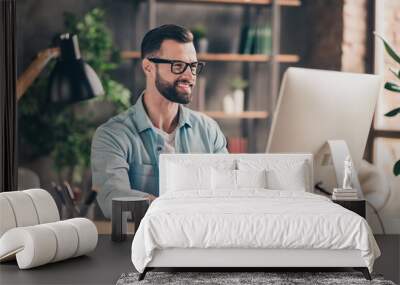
x: 72, y: 79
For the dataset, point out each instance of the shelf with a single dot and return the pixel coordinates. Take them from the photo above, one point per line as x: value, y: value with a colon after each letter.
x: 289, y: 58
x: 239, y: 2
x: 243, y: 115
x: 246, y: 57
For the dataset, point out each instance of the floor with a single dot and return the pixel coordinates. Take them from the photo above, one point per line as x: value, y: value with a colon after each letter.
x: 389, y: 262
x: 103, y: 266
x: 110, y: 260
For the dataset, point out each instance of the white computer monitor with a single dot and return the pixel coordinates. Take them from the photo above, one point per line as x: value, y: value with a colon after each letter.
x: 315, y: 106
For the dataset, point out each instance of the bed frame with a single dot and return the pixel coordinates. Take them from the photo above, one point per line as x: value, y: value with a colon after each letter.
x: 242, y: 259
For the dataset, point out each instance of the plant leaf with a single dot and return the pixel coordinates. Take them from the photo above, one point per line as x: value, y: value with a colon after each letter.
x: 392, y: 87
x: 396, y: 73
x: 390, y: 50
x: 393, y: 113
x: 396, y: 168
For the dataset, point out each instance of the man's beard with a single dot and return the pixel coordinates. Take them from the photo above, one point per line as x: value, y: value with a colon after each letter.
x: 170, y: 90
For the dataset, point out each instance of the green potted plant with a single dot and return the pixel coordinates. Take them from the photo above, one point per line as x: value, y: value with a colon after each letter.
x: 200, y: 38
x: 393, y: 87
x: 238, y: 85
x: 64, y: 133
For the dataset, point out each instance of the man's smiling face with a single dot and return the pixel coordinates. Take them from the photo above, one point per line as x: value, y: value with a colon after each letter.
x: 176, y: 87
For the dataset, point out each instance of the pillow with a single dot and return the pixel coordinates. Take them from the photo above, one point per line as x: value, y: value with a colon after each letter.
x: 251, y: 178
x: 188, y: 177
x: 223, y: 179
x: 228, y: 179
x: 288, y: 178
x: 282, y: 174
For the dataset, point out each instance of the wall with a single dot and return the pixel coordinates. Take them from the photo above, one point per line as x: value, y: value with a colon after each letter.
x: 354, y: 43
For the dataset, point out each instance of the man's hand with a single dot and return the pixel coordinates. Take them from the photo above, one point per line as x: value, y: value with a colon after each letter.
x: 151, y: 197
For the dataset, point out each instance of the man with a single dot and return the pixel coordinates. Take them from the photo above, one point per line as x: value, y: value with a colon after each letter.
x: 126, y: 149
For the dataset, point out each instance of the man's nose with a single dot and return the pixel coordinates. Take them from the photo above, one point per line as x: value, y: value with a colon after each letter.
x: 188, y: 72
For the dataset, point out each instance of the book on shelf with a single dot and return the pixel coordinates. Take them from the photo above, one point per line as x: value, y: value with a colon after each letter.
x: 237, y: 145
x: 255, y: 40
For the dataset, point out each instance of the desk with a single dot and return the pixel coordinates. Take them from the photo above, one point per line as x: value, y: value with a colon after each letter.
x: 102, y: 266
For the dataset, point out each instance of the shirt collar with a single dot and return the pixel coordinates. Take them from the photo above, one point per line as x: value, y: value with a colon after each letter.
x: 143, y: 121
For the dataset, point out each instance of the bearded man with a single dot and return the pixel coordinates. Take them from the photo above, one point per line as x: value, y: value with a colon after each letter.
x: 125, y: 150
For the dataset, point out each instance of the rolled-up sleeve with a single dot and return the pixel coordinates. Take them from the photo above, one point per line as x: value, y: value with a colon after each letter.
x: 109, y: 154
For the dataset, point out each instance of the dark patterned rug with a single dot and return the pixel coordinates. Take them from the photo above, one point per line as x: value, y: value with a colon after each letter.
x: 242, y: 278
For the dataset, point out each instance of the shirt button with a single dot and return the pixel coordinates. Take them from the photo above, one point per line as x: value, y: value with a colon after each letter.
x: 159, y: 148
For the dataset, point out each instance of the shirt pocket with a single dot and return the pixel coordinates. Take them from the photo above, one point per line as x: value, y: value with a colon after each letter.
x: 143, y: 178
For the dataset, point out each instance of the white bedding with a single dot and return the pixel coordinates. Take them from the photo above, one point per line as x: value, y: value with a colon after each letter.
x: 251, y: 218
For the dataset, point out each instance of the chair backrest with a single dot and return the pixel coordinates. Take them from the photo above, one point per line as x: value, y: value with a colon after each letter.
x: 26, y: 208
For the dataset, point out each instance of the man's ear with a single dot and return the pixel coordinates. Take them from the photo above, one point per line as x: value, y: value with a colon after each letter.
x: 147, y: 66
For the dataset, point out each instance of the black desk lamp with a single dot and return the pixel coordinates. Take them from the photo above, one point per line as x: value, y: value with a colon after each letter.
x: 71, y: 80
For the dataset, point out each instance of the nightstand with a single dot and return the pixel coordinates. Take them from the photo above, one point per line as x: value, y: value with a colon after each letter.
x: 357, y: 206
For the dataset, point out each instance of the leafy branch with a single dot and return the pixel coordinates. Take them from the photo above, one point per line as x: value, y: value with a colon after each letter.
x: 393, y: 87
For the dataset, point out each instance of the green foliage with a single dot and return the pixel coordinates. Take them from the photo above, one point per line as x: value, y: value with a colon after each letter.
x: 238, y: 83
x: 392, y: 87
x: 396, y: 73
x: 50, y: 129
x: 199, y: 32
x: 393, y: 113
x: 389, y: 49
x: 396, y: 168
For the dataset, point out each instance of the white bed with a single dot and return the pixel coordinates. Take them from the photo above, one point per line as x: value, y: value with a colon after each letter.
x: 202, y: 220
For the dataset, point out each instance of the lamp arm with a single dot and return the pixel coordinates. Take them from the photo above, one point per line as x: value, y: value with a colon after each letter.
x: 34, y: 69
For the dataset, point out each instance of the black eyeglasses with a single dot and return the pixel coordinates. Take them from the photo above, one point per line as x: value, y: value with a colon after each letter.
x: 179, y: 67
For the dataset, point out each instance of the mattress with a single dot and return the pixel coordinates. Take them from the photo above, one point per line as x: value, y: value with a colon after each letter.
x: 251, y: 219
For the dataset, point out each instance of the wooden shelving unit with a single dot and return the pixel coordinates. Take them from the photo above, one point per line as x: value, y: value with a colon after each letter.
x: 251, y: 8
x: 283, y: 58
x: 238, y: 2
x: 242, y: 115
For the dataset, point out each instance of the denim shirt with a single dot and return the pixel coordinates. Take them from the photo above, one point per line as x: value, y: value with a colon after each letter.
x: 125, y: 151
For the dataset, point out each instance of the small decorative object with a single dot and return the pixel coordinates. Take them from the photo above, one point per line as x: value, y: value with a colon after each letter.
x: 229, y: 104
x: 200, y: 38
x: 237, y: 85
x: 348, y: 166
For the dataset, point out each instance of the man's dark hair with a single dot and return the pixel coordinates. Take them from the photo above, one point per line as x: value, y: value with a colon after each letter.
x: 154, y: 38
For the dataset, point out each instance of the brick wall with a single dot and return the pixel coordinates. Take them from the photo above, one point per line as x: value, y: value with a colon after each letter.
x: 354, y: 41
x: 338, y: 34
x: 324, y: 21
